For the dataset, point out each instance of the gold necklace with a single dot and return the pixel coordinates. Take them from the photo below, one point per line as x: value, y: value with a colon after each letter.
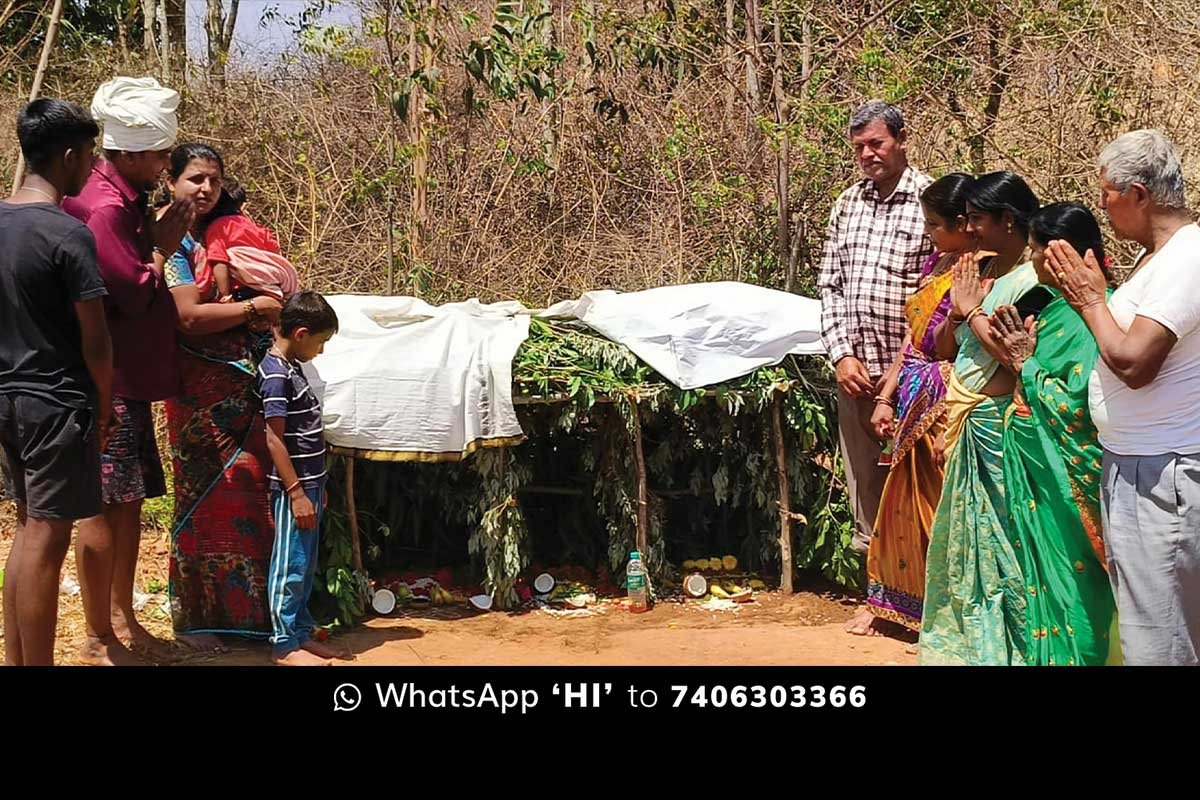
x: 46, y: 195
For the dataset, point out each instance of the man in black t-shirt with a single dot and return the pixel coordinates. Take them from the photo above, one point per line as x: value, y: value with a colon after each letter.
x: 55, y: 378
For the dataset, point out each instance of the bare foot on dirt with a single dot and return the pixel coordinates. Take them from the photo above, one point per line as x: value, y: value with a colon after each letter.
x: 301, y: 658
x: 107, y: 651
x: 139, y: 640
x: 327, y: 651
x: 865, y: 624
x: 201, y: 642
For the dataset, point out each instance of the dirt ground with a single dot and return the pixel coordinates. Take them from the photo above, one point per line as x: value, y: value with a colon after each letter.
x: 776, y: 629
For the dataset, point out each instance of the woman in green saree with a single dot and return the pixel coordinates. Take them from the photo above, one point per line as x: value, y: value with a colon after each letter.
x: 1052, y: 462
x: 974, y: 595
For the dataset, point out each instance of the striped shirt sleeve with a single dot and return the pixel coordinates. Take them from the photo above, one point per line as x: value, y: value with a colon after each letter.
x: 274, y: 387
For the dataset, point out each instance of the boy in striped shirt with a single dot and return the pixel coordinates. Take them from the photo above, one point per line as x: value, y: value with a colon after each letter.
x: 296, y: 441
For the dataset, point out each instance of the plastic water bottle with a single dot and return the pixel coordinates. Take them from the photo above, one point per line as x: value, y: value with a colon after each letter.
x: 635, y: 583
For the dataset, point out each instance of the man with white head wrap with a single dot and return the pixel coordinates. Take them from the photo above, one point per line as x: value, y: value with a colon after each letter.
x: 138, y: 118
x: 137, y: 115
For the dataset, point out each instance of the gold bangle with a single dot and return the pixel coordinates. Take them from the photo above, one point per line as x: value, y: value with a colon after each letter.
x: 885, y: 400
x: 973, y: 312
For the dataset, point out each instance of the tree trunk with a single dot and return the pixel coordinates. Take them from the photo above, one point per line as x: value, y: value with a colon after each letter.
x: 164, y: 37
x: 219, y: 26
x: 752, y: 88
x: 149, y: 16
x: 1000, y: 54
x: 549, y: 38
x: 419, y: 57
x: 177, y: 26
x: 729, y: 65
x: 782, y: 161
x: 798, y: 254
x: 753, y: 93
x: 122, y: 34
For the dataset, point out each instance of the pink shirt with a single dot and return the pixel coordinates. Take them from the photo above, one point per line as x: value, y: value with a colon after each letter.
x: 141, y: 312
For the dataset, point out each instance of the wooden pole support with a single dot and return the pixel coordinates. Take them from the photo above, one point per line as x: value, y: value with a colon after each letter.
x: 785, y: 500
x: 352, y: 516
x: 639, y: 463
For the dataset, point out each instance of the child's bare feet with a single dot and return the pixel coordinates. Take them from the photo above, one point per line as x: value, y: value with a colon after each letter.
x: 301, y: 658
x: 327, y: 651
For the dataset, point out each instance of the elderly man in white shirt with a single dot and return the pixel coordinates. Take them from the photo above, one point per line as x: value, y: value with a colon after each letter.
x: 1145, y: 397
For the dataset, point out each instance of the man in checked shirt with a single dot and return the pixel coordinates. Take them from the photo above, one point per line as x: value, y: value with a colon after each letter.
x: 874, y: 250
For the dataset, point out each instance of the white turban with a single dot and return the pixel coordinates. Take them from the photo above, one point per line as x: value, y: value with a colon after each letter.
x: 137, y: 114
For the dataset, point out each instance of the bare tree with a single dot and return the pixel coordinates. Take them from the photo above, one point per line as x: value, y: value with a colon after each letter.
x: 11, y: 54
x: 1001, y: 51
x: 149, y: 16
x: 420, y: 59
x: 164, y: 38
x: 218, y: 26
x: 753, y: 92
x: 177, y: 27
x: 783, y: 158
x: 728, y: 60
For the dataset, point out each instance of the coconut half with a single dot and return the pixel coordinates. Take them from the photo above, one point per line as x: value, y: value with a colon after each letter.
x: 384, y: 602
x: 481, y: 602
x: 695, y: 585
x: 578, y: 601
x: 543, y: 583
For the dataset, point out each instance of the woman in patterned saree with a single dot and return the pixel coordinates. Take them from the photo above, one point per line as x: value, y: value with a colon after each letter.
x: 974, y: 597
x: 910, y: 410
x: 1052, y: 462
x: 222, y: 532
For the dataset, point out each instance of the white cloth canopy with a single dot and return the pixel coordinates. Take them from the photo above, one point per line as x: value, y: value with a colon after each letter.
x: 419, y: 381
x: 702, y: 334
x: 422, y: 382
